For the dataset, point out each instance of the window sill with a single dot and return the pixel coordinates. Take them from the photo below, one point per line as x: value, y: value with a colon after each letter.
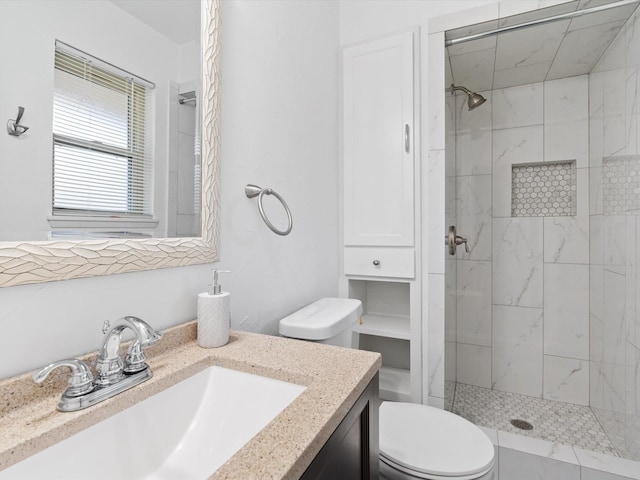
x: 79, y: 221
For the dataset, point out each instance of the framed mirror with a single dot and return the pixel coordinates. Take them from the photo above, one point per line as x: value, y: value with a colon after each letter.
x: 61, y: 256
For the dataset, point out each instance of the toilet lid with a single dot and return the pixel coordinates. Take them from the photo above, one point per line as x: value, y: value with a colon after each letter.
x: 322, y: 319
x: 432, y: 441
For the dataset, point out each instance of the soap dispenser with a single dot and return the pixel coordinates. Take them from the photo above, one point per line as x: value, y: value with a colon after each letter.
x: 214, y: 315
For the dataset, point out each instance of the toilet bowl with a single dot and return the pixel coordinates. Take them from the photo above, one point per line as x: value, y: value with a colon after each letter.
x: 416, y: 441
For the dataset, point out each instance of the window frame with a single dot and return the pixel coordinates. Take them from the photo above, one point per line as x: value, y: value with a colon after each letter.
x: 138, y: 93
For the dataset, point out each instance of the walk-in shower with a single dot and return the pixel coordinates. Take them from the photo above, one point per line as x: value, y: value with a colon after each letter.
x: 542, y: 314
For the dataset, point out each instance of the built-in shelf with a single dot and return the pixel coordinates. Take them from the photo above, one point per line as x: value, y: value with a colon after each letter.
x: 385, y: 326
x: 395, y: 384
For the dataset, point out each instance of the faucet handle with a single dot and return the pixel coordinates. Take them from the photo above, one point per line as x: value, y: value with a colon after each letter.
x: 134, y: 361
x: 460, y: 240
x: 80, y: 382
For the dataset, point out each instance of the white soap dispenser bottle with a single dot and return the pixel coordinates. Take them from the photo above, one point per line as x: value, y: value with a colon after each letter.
x: 214, y: 315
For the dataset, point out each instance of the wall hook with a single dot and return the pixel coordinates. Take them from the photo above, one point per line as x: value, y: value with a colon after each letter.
x: 13, y: 126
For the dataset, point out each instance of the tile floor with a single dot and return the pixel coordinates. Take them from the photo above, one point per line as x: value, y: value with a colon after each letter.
x: 556, y: 422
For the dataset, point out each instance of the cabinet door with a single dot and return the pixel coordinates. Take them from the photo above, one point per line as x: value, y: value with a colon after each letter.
x: 378, y: 142
x: 352, y: 451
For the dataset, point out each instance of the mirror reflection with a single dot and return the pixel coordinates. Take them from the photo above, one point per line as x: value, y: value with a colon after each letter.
x: 110, y: 98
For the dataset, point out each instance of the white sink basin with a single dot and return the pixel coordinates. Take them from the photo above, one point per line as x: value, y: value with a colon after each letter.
x: 185, y: 432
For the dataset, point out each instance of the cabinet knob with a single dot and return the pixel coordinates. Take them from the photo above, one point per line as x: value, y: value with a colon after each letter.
x: 376, y: 262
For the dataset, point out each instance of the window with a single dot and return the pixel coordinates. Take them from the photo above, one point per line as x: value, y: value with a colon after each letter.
x: 102, y: 138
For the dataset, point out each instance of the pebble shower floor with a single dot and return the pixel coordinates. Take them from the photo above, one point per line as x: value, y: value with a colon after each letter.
x: 556, y: 422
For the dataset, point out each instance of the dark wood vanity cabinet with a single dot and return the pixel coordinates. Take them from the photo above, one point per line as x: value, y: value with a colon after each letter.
x: 351, y: 453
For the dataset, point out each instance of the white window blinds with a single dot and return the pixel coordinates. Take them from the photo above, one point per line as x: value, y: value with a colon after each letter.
x: 102, y: 138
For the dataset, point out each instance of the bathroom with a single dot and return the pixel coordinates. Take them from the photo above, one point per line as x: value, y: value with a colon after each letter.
x: 280, y: 99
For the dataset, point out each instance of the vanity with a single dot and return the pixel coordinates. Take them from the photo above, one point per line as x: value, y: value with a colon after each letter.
x: 328, y: 431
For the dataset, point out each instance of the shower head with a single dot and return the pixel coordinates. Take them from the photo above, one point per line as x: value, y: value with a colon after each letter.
x: 474, y: 99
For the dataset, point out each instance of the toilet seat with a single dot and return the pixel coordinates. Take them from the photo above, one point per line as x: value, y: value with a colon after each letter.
x: 430, y: 443
x: 424, y: 476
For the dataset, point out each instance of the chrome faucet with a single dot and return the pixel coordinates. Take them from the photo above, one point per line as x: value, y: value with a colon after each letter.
x: 113, y: 375
x: 110, y: 368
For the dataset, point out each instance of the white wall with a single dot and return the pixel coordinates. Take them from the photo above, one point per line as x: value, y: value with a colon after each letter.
x: 279, y: 129
x: 364, y: 19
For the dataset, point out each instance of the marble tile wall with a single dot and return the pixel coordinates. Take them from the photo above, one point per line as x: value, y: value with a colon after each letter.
x: 438, y: 361
x: 614, y: 166
x: 182, y: 219
x: 522, y: 306
x: 546, y: 121
x: 450, y: 219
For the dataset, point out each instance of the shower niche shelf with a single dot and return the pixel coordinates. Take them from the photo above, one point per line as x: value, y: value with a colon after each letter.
x: 386, y: 327
x: 543, y: 189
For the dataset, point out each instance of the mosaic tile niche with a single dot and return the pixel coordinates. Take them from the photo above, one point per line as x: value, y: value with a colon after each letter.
x: 545, y: 189
x: 621, y: 184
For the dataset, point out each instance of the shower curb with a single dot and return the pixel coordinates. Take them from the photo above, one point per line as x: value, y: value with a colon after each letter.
x: 544, y: 459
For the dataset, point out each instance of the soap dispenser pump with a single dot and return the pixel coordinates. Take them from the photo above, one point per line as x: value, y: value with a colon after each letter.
x: 214, y: 314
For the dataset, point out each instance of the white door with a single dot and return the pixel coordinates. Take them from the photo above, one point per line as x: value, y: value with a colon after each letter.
x: 378, y: 142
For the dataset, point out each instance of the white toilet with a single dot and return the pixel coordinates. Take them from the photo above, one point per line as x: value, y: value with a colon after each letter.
x: 416, y: 441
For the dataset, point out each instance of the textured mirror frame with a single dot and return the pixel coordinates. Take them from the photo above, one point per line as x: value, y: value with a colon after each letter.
x: 35, y: 262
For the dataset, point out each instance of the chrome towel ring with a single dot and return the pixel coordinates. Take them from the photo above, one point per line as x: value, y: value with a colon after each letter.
x: 256, y: 191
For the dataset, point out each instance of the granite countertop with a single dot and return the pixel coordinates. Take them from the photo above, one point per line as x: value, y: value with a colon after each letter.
x: 334, y: 379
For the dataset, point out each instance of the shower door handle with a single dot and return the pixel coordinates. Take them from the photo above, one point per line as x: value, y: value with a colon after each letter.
x: 452, y: 241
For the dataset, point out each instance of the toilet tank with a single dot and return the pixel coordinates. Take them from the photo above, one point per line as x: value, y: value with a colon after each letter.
x: 328, y: 320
